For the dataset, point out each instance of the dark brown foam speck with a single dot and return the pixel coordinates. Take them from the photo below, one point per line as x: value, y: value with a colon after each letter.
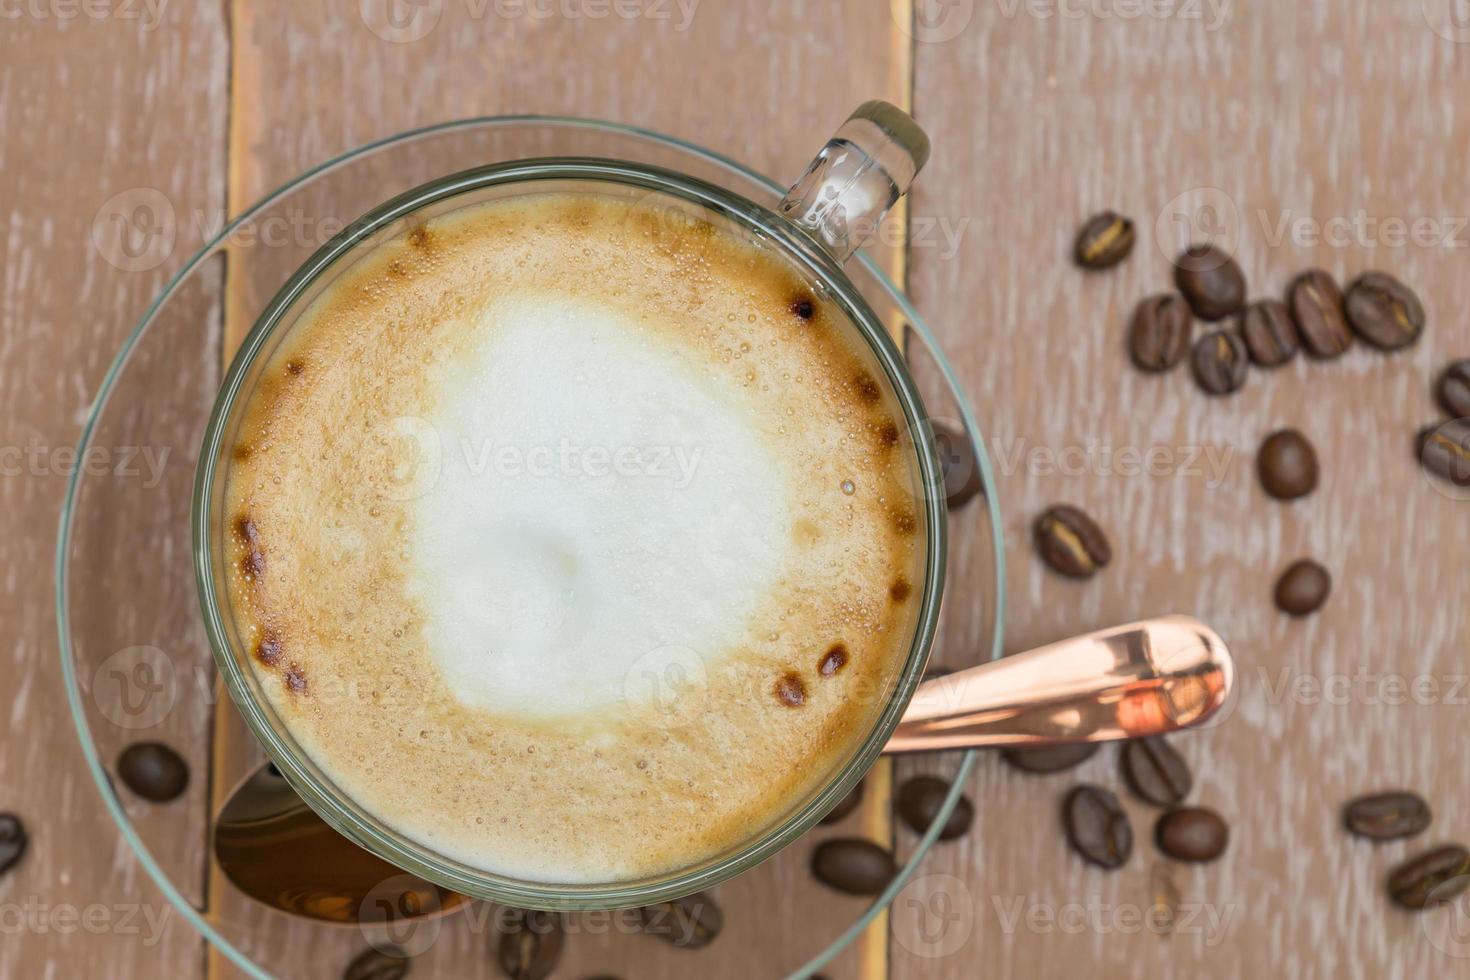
x: 903, y: 522
x: 295, y: 367
x: 296, y: 679
x: 790, y: 690
x: 833, y: 660
x: 900, y: 590
x: 419, y: 237
x: 269, y: 650
x: 866, y: 388
x: 888, y: 434
x: 802, y: 307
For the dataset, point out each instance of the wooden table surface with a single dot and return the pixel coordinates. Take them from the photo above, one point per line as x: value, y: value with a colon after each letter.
x: 1321, y: 133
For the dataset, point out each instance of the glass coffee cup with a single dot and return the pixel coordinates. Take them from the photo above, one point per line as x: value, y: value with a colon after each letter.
x: 1134, y: 680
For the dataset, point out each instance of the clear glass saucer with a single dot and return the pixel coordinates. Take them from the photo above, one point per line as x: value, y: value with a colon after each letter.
x: 137, y: 664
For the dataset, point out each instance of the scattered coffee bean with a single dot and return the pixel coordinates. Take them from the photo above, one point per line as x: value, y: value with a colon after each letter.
x: 1383, y: 311
x: 1302, y: 588
x: 691, y: 922
x: 1433, y: 877
x: 1104, y: 241
x: 919, y: 801
x: 1050, y: 758
x: 1269, y: 334
x: 1192, y: 833
x: 845, y: 805
x: 530, y: 944
x: 1096, y: 826
x: 1444, y: 450
x: 1316, y: 306
x: 1387, y: 816
x: 378, y: 964
x: 1158, y: 337
x: 1071, y: 542
x: 13, y: 841
x: 853, y: 865
x: 1210, y: 279
x: 1220, y: 362
x: 153, y: 771
x: 1453, y: 390
x: 956, y: 455
x: 1156, y: 771
x: 1287, y: 465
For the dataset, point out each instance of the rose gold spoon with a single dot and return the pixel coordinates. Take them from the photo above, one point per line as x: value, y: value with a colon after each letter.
x: 1146, y: 678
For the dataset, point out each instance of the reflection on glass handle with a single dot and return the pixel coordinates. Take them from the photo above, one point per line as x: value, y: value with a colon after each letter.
x: 864, y: 168
x: 1146, y: 678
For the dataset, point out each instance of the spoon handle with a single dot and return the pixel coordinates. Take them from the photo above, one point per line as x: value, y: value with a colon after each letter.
x: 1145, y: 678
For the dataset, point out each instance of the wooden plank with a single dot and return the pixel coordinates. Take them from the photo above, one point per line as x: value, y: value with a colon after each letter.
x: 308, y: 83
x: 1317, y: 111
x: 99, y: 117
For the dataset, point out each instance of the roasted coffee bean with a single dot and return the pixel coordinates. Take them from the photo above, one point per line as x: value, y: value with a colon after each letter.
x: 153, y: 771
x: 1444, y: 450
x: 1316, y: 306
x: 1104, y: 241
x: 1383, y: 311
x: 1287, y: 465
x: 845, y: 805
x: 378, y: 964
x: 1453, y: 389
x: 1210, y: 279
x: 956, y: 455
x: 1268, y: 332
x: 1220, y: 362
x: 691, y: 922
x: 1096, y: 826
x: 1387, y: 816
x: 1158, y: 337
x: 13, y: 841
x: 919, y: 801
x: 530, y: 944
x: 853, y: 865
x: 1302, y: 588
x: 1050, y: 758
x: 1071, y: 542
x: 1431, y: 878
x: 1156, y: 771
x: 1192, y: 833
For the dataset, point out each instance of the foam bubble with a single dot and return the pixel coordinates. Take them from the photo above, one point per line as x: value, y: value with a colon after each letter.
x: 599, y: 499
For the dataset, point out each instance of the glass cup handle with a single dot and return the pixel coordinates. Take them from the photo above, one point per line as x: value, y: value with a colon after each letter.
x: 849, y: 186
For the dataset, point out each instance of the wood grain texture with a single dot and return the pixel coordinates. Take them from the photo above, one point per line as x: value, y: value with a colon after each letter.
x: 676, y: 75
x: 1315, y: 111
x: 91, y: 109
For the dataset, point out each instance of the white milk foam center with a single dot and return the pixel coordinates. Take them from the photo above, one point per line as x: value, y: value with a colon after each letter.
x: 601, y: 502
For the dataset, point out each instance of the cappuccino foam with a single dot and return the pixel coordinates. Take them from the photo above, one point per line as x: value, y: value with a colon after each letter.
x: 575, y: 537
